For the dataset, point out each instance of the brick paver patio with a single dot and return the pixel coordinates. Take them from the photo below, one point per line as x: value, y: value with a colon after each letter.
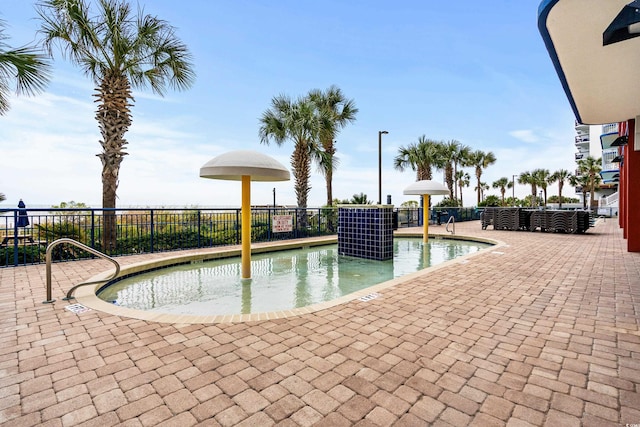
x: 544, y: 331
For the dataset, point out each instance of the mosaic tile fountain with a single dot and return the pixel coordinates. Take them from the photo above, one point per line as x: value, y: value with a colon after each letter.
x: 366, y: 231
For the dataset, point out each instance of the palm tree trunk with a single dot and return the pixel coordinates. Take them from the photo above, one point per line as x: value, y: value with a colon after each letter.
x: 478, y: 176
x: 301, y: 162
x: 114, y: 118
x: 330, y: 151
x: 449, y: 178
x: 560, y: 185
x: 329, y: 179
x: 424, y: 173
x: 455, y: 187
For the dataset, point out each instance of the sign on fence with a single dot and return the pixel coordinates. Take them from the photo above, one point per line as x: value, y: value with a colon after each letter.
x: 282, y: 223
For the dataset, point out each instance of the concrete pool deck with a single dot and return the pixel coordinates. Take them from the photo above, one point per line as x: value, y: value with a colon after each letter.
x: 544, y: 330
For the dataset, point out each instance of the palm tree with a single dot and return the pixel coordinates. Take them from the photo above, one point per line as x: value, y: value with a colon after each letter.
x: 502, y: 184
x: 448, y: 152
x: 481, y: 160
x: 460, y: 157
x: 462, y: 180
x: 543, y: 179
x: 360, y: 199
x: 341, y: 111
x: 527, y: 178
x: 581, y: 181
x: 26, y: 65
x: 420, y: 157
x: 591, y: 167
x: 481, y: 187
x: 2, y: 197
x: 300, y: 122
x: 120, y: 51
x: 560, y: 176
x: 452, y: 155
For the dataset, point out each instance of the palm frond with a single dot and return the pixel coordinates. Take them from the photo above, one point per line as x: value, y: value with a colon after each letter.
x: 141, y: 47
x: 26, y: 65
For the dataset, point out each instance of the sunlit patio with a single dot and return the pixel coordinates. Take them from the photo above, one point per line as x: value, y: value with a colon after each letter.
x: 543, y: 330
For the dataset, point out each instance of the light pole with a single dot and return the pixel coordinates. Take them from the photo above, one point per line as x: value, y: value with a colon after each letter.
x: 380, y: 133
x: 541, y: 201
x: 513, y: 189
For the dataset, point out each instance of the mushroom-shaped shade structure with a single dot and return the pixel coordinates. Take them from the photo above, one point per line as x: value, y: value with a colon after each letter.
x: 236, y: 164
x: 245, y: 166
x: 426, y: 188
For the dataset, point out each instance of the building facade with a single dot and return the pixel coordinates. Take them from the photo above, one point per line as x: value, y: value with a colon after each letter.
x: 594, y: 45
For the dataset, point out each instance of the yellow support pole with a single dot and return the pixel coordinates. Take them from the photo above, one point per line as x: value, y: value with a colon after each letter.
x: 246, y: 227
x: 425, y: 217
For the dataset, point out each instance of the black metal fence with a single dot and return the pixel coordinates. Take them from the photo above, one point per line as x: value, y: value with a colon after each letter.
x: 141, y: 231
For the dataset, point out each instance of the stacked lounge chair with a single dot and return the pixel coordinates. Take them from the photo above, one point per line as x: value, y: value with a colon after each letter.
x: 487, y: 217
x: 540, y: 220
x: 583, y: 220
x: 507, y: 219
x: 524, y: 219
x: 532, y: 220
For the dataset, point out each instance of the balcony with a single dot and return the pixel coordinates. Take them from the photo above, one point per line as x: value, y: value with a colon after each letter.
x: 580, y: 126
x: 606, y: 139
x: 582, y: 139
x: 610, y: 128
x: 609, y: 201
x: 580, y: 156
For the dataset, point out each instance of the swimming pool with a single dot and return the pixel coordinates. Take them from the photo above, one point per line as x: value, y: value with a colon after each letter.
x: 281, y: 280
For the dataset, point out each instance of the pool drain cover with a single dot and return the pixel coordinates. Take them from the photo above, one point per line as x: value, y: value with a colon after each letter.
x: 77, y: 308
x: 369, y: 297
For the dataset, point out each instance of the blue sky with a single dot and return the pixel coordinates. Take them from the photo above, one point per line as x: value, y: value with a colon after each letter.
x: 476, y: 72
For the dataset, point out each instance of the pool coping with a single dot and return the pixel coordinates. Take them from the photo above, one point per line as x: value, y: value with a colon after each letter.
x: 86, y: 295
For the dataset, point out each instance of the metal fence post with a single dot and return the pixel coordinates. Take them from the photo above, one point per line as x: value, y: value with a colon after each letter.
x: 93, y: 228
x: 151, y: 231
x: 237, y: 226
x: 199, y: 224
x: 15, y: 238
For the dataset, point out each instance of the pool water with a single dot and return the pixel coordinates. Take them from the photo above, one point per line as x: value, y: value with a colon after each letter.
x: 280, y: 280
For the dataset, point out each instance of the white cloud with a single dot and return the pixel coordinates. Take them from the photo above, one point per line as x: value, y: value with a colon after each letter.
x: 525, y: 135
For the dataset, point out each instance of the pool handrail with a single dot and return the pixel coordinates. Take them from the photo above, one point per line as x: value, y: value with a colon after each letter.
x: 89, y: 249
x: 452, y: 220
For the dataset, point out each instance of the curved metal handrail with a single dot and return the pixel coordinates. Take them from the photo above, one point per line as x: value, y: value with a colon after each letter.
x: 83, y: 247
x: 452, y: 221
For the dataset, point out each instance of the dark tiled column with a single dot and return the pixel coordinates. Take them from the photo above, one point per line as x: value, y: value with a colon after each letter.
x: 366, y: 231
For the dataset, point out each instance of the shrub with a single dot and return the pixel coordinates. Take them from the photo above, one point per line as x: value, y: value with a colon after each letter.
x: 26, y: 255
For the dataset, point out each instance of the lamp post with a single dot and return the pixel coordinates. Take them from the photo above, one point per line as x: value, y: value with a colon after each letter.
x: 380, y: 133
x: 513, y: 189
